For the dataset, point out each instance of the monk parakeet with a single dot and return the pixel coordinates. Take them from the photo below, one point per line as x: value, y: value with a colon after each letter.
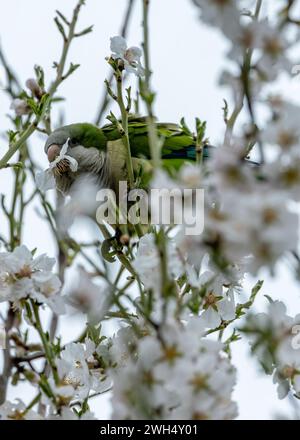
x: 100, y: 151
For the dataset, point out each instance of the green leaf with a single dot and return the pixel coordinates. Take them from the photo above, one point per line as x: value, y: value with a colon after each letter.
x: 85, y: 31
x: 93, y: 332
x: 184, y: 127
x: 40, y: 76
x: 245, y: 306
x: 60, y: 28
x: 200, y: 130
x: 62, y: 17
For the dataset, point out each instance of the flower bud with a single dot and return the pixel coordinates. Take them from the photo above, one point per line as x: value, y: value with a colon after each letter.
x: 34, y: 87
x: 20, y: 107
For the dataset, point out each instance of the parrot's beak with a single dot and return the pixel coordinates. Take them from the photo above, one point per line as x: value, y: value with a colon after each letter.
x: 53, y: 152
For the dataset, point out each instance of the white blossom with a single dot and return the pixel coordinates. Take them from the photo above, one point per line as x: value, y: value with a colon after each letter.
x: 129, y: 55
x: 218, y: 305
x: 45, y: 179
x: 78, y: 367
x: 17, y: 411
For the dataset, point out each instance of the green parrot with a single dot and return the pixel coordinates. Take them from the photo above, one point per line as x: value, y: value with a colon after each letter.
x: 100, y: 152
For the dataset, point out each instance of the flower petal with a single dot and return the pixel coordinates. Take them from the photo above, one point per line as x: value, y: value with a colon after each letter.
x: 118, y: 46
x: 45, y: 180
x: 73, y: 163
x: 133, y: 54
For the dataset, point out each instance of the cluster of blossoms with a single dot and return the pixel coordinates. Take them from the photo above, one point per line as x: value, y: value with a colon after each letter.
x: 23, y: 276
x: 261, y: 225
x: 250, y: 33
x: 275, y: 341
x: 247, y: 219
x: 180, y: 375
x: 217, y: 300
x: 80, y: 371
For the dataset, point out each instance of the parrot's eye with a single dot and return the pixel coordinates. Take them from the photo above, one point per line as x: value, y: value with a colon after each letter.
x: 73, y: 142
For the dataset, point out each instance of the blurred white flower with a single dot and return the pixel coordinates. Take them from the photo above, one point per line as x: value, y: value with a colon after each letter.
x: 45, y: 180
x: 129, y: 55
x: 284, y: 174
x: 223, y: 14
x: 228, y: 169
x: 148, y: 265
x: 82, y: 202
x: 273, y: 46
x: 17, y: 411
x: 88, y: 297
x: 283, y: 129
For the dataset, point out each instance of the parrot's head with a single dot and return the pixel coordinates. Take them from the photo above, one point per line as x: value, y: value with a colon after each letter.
x: 86, y: 144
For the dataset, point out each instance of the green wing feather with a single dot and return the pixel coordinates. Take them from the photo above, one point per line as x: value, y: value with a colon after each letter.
x: 177, y: 144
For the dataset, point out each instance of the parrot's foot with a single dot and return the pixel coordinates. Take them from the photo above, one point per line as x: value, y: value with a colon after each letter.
x: 112, y: 246
x: 62, y: 167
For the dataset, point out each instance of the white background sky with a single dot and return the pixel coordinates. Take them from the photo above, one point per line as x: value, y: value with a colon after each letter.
x: 186, y: 58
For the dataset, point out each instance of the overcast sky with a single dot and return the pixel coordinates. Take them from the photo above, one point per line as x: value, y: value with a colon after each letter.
x: 187, y: 58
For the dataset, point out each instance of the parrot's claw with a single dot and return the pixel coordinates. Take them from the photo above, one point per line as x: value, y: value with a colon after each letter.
x: 62, y: 167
